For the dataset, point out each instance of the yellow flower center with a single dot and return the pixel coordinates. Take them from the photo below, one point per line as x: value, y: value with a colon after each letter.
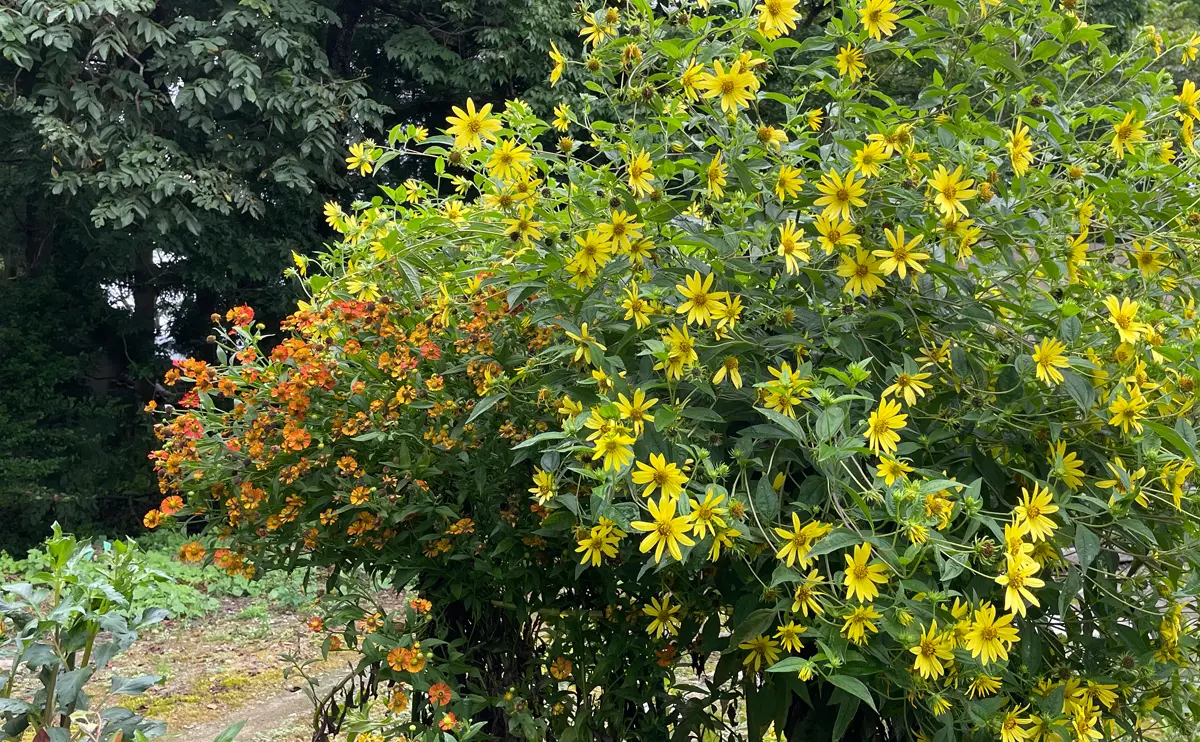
x: 988, y: 633
x: 474, y: 125
x: 859, y: 572
x: 950, y: 191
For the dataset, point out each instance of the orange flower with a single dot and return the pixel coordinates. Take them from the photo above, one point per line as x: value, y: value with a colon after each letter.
x: 399, y: 702
x: 171, y: 505
x: 396, y: 657
x: 439, y: 694
x: 560, y: 668
x: 448, y: 721
x: 316, y: 623
x: 191, y: 552
x: 420, y: 605
x: 153, y: 519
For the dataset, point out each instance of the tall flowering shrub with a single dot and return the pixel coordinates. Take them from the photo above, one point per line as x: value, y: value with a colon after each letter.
x: 741, y: 395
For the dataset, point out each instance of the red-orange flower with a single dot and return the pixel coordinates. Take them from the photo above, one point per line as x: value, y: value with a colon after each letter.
x: 153, y: 519
x: 439, y: 694
x: 171, y: 505
x: 448, y: 721
x: 420, y: 605
x: 316, y: 623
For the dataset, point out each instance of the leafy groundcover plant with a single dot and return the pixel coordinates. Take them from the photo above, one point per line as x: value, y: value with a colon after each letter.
x: 745, y: 396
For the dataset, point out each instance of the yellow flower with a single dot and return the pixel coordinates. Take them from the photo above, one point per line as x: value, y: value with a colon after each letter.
x: 734, y: 87
x: 788, y: 182
x: 1018, y: 579
x: 523, y: 227
x: 860, y: 578
x: 902, y: 256
x: 508, y: 160
x: 666, y: 622
x: 776, y: 17
x: 1127, y: 411
x: 814, y: 118
x: 858, y: 622
x: 1192, y: 48
x: 982, y: 686
x: 597, y: 544
x: 560, y: 64
x: 891, y: 470
x: 636, y: 409
x: 1149, y: 261
x: 622, y: 231
x: 990, y: 638
x: 769, y: 136
x: 951, y: 190
x: 835, y: 232
x: 1123, y: 316
x: 681, y: 352
x: 583, y: 344
x: 1186, y: 101
x: 715, y: 176
x: 807, y: 593
x: 1124, y: 482
x: 840, y: 194
x: 689, y: 80
x: 1033, y: 511
x: 1126, y: 134
x: 1010, y: 726
x: 470, y: 127
x: 1174, y: 475
x: 1020, y: 148
x: 543, y: 485
x: 596, y: 29
x: 869, y: 159
x: 798, y: 541
x: 1048, y: 358
x: 360, y: 158
x: 722, y: 539
x: 850, y: 62
x: 593, y: 252
x: 562, y: 117
x: 706, y: 516
x: 1067, y: 465
x: 641, y: 174
x: 568, y: 407
x: 729, y: 367
x: 882, y: 424
x: 660, y: 474
x: 762, y: 649
x: 909, y: 386
x: 861, y: 273
x: 702, y: 303
x: 791, y: 247
x: 789, y: 636
x: 665, y: 531
x: 931, y: 651
x: 616, y: 450
x: 636, y: 308
x: 877, y: 17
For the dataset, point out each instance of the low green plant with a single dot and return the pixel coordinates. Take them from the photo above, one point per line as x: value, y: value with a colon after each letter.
x: 61, y: 626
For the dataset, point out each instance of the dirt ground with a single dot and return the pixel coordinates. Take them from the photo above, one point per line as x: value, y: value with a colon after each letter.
x: 227, y: 668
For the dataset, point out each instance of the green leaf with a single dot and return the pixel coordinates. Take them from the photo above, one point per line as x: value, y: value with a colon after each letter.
x: 788, y: 664
x: 753, y: 625
x: 847, y: 710
x: 230, y: 732
x: 854, y: 687
x: 484, y: 405
x: 829, y: 422
x: 839, y: 539
x: 1087, y: 546
x: 1080, y: 390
